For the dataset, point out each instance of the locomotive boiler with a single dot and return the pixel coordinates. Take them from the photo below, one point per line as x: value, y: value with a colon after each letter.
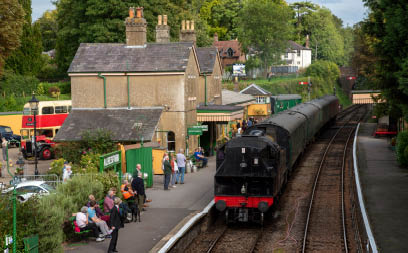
x: 253, y: 168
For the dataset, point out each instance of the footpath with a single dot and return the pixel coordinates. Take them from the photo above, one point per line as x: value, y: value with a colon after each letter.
x: 166, y: 211
x: 385, y: 190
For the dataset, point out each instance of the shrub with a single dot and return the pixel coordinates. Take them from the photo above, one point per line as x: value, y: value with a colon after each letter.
x: 56, y: 167
x: 402, y: 148
x: 54, y: 91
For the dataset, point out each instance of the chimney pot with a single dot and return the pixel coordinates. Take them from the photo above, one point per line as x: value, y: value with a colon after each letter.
x: 164, y: 19
x: 139, y: 12
x: 192, y: 25
x: 131, y: 12
x: 188, y: 24
x: 159, y: 20
x: 183, y: 25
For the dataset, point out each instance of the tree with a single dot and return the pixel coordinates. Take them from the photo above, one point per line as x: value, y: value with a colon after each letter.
x: 27, y: 60
x: 386, y: 24
x: 265, y: 27
x: 301, y: 10
x: 11, y: 24
x: 103, y: 21
x: 48, y: 27
x: 221, y: 16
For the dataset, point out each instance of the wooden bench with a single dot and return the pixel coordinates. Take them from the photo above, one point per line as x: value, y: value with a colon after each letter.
x: 76, y: 229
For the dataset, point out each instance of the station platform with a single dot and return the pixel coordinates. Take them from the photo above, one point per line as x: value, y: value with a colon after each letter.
x: 385, y: 190
x: 165, y: 212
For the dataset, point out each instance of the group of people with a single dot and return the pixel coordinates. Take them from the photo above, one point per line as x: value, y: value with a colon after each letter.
x: 241, y: 127
x: 174, y: 168
x: 107, y: 222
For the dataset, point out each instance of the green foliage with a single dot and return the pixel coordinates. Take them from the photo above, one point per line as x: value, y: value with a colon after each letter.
x: 48, y: 28
x: 324, y: 69
x: 402, y: 148
x: 19, y: 85
x: 265, y: 27
x: 386, y: 28
x: 93, y: 144
x: 56, y: 167
x: 56, y: 208
x: 27, y: 60
x: 11, y: 28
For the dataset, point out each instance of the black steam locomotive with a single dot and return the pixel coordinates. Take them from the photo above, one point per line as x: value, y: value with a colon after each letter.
x: 252, y: 169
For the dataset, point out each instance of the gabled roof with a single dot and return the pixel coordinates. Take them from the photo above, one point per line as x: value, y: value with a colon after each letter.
x: 117, y: 57
x: 255, y: 90
x: 223, y: 47
x: 123, y: 123
x: 233, y: 98
x: 295, y: 46
x: 207, y: 57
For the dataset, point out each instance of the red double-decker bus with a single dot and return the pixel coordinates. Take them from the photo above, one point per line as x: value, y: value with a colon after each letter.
x: 50, y: 117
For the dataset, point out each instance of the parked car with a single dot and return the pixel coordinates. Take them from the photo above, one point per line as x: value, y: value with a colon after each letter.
x: 27, y: 189
x: 13, y: 139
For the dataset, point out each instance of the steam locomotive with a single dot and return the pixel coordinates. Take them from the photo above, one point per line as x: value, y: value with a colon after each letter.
x: 252, y: 169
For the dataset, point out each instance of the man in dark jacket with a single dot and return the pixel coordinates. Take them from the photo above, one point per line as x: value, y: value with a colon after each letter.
x: 138, y: 187
x: 116, y: 224
x: 167, y: 172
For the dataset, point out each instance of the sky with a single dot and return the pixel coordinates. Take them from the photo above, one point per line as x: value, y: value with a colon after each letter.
x: 350, y: 11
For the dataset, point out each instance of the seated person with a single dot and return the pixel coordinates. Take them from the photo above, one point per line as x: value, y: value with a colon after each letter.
x: 83, y: 223
x: 200, y: 157
x: 108, y: 201
x: 92, y: 218
x: 98, y: 210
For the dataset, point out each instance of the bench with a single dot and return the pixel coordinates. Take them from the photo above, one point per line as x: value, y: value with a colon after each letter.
x: 198, y: 163
x: 76, y: 229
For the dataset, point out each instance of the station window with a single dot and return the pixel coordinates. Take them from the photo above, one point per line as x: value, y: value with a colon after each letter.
x: 230, y: 52
x: 261, y: 100
x: 61, y: 109
x: 298, y: 52
x: 47, y: 110
x: 171, y: 141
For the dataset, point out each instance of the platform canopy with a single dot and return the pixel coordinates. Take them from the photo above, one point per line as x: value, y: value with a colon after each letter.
x: 219, y: 113
x: 126, y: 125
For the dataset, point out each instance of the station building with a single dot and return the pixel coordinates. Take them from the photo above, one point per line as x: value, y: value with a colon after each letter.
x: 150, y: 92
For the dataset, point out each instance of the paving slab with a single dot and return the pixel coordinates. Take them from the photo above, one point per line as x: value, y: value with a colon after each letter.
x: 166, y: 211
x: 385, y: 189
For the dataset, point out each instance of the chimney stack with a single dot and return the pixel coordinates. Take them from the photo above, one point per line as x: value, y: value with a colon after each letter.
x: 187, y: 33
x: 162, y: 30
x: 135, y: 27
x: 215, y: 37
x: 307, y: 41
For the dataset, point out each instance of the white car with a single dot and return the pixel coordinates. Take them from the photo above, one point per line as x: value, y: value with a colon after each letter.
x: 27, y: 189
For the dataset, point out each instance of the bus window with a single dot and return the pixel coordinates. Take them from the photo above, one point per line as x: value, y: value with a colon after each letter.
x: 69, y: 109
x: 47, y: 110
x: 46, y: 132
x: 24, y: 134
x: 61, y: 109
x: 27, y: 111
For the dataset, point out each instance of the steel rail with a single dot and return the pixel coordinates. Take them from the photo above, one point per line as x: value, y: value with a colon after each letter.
x: 253, y: 248
x: 213, y: 243
x: 316, y: 180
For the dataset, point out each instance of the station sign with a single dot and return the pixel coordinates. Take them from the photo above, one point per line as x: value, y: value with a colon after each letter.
x: 204, y: 128
x: 194, y: 131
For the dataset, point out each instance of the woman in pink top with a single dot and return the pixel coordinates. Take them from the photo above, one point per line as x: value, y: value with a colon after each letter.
x: 108, y: 202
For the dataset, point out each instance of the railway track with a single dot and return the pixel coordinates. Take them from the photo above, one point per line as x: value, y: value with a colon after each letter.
x: 236, y: 240
x: 325, y: 229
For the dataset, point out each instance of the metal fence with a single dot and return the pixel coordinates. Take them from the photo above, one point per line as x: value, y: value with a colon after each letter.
x: 51, y: 179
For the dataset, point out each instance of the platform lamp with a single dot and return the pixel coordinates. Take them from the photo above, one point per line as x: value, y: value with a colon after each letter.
x: 34, y: 108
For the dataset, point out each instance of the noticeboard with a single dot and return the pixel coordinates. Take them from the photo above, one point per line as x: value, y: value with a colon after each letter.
x: 238, y: 70
x: 203, y: 128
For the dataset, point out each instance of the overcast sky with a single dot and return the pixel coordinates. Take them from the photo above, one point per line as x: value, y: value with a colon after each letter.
x: 350, y: 11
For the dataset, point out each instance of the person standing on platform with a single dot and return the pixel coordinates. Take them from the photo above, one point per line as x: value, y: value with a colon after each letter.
x: 138, y: 187
x: 136, y: 174
x: 167, y: 172
x: 174, y: 171
x: 4, y: 148
x: 116, y: 223
x: 181, y: 164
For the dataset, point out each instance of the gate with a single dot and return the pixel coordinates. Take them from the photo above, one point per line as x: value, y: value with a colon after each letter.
x: 145, y: 158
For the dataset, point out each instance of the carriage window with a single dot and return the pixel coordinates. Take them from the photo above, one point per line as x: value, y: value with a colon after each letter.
x: 47, y: 110
x: 61, y: 109
x: 27, y: 111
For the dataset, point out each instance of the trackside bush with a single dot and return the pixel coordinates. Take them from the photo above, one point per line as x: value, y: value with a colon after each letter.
x: 55, y: 209
x: 402, y: 148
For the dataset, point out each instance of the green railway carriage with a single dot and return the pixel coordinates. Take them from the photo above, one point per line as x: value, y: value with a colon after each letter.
x: 283, y: 102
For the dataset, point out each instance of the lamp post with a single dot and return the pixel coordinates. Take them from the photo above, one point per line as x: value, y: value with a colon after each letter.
x: 34, y: 108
